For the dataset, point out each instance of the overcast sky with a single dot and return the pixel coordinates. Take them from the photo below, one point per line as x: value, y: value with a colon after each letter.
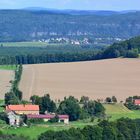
x: 73, y: 4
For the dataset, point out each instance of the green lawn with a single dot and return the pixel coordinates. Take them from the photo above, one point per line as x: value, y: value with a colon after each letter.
x: 34, y: 131
x: 7, y: 67
x: 116, y: 109
x: 132, y: 115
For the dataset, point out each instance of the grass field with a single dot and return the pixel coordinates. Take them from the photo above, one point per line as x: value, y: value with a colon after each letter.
x: 34, y: 131
x: 27, y: 44
x: 7, y: 67
x: 96, y: 79
x: 117, y: 111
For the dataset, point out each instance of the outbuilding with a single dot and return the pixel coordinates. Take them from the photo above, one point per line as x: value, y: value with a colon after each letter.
x: 47, y: 117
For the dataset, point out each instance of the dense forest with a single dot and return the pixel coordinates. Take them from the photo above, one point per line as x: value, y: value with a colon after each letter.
x: 29, y: 25
x: 32, y: 55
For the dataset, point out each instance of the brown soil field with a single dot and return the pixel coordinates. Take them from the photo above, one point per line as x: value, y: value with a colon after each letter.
x: 96, y: 79
x: 5, y: 77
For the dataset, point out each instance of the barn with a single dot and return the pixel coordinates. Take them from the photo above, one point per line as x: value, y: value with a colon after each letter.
x: 23, y: 109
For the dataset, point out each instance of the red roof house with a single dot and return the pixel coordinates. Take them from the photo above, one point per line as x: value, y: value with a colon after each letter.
x: 137, y: 102
x: 23, y: 109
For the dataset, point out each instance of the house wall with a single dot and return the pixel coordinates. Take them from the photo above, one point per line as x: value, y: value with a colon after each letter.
x: 66, y: 121
x: 27, y: 112
x: 46, y: 120
x: 12, y: 121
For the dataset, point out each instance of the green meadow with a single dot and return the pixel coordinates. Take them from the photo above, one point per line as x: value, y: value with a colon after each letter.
x: 116, y: 111
x: 7, y: 67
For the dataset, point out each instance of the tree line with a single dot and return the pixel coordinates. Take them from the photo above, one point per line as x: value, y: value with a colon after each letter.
x: 32, y: 55
x: 70, y: 106
x: 15, y: 95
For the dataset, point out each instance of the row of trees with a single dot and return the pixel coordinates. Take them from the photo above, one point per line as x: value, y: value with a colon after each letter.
x: 36, y: 55
x: 122, y: 129
x: 70, y: 106
x: 112, y: 99
x: 15, y: 95
x: 68, y: 53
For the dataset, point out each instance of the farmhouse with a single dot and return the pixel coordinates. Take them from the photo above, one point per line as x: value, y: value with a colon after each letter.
x: 14, y: 120
x: 23, y: 109
x: 137, y: 102
x: 47, y: 117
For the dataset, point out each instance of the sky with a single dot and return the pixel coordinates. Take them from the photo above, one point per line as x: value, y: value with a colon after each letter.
x: 116, y: 5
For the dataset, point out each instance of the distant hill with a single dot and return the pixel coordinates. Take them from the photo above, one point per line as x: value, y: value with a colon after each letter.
x: 29, y: 25
x: 79, y: 12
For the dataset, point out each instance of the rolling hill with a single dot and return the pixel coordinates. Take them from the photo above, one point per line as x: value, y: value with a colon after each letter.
x: 29, y: 25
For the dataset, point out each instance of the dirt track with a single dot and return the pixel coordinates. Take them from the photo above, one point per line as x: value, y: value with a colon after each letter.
x: 5, y: 77
x: 96, y: 79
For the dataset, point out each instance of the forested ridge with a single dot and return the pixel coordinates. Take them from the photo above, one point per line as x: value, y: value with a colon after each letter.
x: 24, y: 25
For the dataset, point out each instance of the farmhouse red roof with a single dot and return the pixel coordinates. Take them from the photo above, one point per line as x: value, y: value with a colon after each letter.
x: 23, y: 107
x: 48, y: 116
x: 137, y: 101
